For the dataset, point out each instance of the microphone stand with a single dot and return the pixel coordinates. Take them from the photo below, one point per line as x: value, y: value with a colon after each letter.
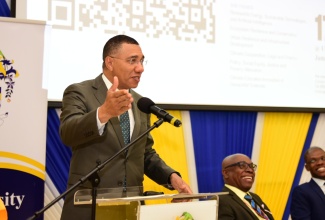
x: 93, y: 176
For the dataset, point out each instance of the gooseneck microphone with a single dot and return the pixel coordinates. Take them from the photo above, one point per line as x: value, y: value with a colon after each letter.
x: 148, y: 106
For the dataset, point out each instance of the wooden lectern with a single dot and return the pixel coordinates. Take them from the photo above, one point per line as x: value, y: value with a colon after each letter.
x: 112, y: 204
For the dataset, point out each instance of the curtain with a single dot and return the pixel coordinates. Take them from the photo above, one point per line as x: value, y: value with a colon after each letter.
x: 275, y: 141
x: 57, y: 154
x: 301, y: 162
x: 283, y: 138
x: 57, y: 166
x: 217, y: 134
x: 170, y: 145
x: 4, y: 9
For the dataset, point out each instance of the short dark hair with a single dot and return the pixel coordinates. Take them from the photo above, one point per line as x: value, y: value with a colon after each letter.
x: 309, y: 150
x: 113, y: 44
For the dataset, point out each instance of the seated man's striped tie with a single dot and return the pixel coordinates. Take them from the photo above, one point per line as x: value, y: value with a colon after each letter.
x: 256, y: 207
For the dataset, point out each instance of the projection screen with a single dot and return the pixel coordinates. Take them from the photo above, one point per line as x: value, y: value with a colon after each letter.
x: 201, y: 53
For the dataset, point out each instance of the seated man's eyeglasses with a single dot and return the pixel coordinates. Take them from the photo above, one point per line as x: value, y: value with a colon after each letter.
x: 243, y: 165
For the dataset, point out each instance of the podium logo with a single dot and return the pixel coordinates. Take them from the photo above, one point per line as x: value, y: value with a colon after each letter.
x: 7, y: 75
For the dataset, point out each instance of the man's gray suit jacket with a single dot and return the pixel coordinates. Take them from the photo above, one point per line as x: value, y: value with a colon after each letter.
x: 79, y: 131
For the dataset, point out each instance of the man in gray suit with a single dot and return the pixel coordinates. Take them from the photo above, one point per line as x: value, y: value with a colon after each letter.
x: 238, y: 173
x: 90, y: 125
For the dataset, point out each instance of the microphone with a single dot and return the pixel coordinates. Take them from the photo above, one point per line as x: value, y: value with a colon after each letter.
x: 148, y: 106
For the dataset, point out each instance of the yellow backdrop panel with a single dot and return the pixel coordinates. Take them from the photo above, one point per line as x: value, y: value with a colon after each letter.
x: 169, y: 144
x: 282, y: 141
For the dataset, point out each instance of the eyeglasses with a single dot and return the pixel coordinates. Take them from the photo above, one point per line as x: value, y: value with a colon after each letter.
x: 314, y: 160
x: 243, y: 165
x: 133, y: 61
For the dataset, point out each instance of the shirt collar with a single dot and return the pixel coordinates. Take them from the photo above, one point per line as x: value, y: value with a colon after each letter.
x: 238, y: 192
x: 106, y: 81
x: 319, y: 182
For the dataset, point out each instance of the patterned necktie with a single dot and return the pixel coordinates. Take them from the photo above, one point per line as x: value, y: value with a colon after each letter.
x: 125, y: 126
x: 256, y: 207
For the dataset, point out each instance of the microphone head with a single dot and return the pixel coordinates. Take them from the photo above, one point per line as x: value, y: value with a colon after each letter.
x: 144, y: 105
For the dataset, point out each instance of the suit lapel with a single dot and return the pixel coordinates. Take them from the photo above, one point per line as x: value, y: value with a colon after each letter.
x: 115, y: 122
x: 100, y: 91
x: 240, y: 202
x: 317, y: 190
x: 137, y: 119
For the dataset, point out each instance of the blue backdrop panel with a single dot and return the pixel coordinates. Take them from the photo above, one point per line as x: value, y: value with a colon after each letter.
x: 217, y: 134
x: 57, y: 154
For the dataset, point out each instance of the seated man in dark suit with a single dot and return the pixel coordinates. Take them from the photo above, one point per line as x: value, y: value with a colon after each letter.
x: 308, y: 199
x: 238, y: 173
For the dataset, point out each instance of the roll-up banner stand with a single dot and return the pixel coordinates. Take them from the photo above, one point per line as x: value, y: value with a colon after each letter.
x: 23, y: 114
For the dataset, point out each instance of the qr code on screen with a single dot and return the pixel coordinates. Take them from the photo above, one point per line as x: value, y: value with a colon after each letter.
x: 183, y: 20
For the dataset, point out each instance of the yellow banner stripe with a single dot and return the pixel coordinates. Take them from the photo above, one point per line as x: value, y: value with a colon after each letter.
x: 23, y: 169
x: 170, y: 145
x: 283, y: 138
x: 23, y: 158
